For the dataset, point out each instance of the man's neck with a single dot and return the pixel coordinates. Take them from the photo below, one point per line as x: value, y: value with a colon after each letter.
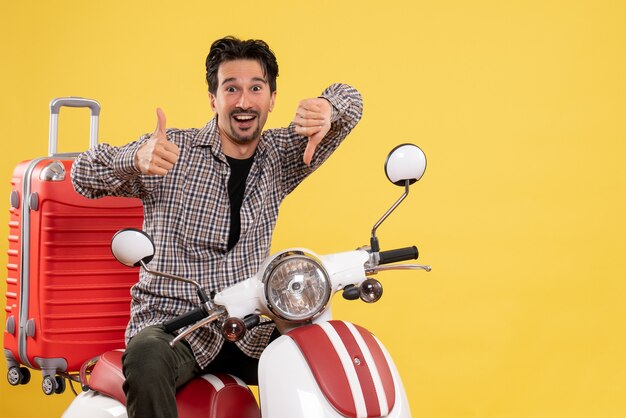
x: 237, y: 150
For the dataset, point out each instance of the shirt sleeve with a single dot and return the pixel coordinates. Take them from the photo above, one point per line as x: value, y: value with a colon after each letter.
x: 106, y: 170
x: 347, y: 107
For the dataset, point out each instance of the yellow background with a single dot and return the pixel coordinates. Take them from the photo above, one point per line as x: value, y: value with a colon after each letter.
x: 520, y: 107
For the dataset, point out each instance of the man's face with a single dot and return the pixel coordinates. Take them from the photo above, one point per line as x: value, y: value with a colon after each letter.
x: 242, y: 101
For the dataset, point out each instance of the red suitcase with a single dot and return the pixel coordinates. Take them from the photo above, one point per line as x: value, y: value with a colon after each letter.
x: 67, y: 298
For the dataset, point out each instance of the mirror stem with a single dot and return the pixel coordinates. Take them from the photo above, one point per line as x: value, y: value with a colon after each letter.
x: 203, y: 297
x: 374, y: 240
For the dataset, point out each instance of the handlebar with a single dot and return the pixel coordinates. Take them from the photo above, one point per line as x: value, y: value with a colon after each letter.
x: 400, y: 254
x: 185, y: 319
x: 202, y: 315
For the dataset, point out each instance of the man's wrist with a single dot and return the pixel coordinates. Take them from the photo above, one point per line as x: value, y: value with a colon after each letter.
x: 333, y: 110
x: 125, y: 162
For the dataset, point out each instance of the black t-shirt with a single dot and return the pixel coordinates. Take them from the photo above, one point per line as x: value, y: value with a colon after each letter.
x: 239, y: 170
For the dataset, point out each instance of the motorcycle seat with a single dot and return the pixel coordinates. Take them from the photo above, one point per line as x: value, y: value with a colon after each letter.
x: 210, y: 395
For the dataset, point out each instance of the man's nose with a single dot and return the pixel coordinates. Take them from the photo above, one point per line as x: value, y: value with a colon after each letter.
x: 243, y: 101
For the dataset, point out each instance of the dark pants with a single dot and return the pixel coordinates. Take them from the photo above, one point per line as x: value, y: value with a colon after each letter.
x: 154, y: 371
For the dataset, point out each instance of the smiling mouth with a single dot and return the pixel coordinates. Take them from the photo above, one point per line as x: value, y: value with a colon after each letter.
x: 244, y: 118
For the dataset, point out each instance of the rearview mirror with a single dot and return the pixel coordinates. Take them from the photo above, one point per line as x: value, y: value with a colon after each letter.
x: 132, y: 247
x: 404, y: 166
x: 405, y: 162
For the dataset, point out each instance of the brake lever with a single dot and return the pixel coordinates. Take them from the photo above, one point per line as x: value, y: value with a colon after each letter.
x: 218, y: 312
x: 377, y: 269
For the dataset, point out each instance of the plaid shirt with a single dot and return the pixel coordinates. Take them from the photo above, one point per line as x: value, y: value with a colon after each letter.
x: 187, y: 213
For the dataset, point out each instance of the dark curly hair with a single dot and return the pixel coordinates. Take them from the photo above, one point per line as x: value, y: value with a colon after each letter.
x: 231, y: 48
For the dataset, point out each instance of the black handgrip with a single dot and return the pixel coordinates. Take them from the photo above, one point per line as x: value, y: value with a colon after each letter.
x: 400, y: 254
x: 251, y: 321
x: 185, y: 319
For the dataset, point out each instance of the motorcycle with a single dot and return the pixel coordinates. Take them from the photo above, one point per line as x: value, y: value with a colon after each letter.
x: 318, y: 367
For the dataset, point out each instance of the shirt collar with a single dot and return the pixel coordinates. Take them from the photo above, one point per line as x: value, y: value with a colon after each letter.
x: 209, y: 137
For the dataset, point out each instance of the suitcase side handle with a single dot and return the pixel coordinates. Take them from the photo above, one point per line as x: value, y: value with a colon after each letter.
x: 57, y: 104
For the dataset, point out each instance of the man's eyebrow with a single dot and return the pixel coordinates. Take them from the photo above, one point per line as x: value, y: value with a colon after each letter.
x: 257, y: 79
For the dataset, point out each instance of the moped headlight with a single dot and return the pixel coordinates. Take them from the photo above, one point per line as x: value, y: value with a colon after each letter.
x: 296, y: 286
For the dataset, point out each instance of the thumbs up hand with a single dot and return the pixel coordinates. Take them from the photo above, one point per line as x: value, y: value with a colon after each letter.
x: 313, y: 121
x: 157, y: 155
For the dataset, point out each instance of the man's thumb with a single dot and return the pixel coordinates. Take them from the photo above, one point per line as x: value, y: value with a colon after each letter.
x: 160, y: 129
x: 309, y: 151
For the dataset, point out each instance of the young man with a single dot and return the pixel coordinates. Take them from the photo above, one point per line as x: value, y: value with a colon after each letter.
x: 211, y: 199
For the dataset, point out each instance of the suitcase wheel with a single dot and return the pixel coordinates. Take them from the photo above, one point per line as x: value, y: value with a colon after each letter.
x: 53, y: 384
x: 18, y: 375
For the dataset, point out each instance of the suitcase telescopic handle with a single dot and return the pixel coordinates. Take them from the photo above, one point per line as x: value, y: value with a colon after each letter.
x: 57, y: 104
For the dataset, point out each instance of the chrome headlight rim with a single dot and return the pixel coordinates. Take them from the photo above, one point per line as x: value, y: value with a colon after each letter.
x: 279, y: 260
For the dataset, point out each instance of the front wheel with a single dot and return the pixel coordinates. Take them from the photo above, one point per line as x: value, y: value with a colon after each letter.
x: 49, y: 385
x: 60, y: 385
x: 18, y: 375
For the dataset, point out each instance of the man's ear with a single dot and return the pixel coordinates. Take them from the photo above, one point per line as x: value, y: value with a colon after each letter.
x: 272, y: 100
x: 212, y: 101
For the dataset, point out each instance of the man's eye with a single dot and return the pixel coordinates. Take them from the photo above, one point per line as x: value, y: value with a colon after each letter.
x: 231, y: 89
x: 257, y: 88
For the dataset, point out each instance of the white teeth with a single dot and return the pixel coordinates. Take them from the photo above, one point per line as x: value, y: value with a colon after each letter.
x: 244, y: 118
